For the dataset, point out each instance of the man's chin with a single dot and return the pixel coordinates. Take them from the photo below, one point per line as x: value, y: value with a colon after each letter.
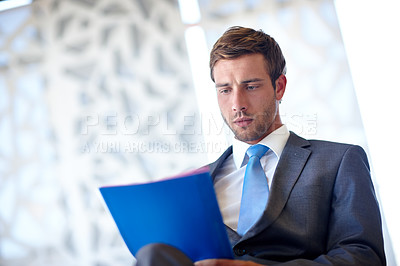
x: 245, y: 137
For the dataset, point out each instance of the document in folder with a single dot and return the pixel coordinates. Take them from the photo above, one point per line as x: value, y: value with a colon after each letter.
x: 182, y: 212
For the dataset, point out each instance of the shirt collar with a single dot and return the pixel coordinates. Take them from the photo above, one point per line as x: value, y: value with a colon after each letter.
x: 276, y: 141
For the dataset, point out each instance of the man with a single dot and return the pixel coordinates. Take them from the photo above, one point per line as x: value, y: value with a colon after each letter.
x: 320, y: 204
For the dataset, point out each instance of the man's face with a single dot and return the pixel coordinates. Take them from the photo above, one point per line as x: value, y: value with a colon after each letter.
x: 246, y: 97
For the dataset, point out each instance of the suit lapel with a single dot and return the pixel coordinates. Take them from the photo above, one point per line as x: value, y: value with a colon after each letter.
x: 289, y: 168
x: 233, y: 236
x: 213, y: 167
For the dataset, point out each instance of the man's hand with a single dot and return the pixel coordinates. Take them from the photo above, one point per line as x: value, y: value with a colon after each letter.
x: 225, y: 262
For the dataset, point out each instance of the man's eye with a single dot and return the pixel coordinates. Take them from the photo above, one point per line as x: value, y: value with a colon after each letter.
x: 224, y: 91
x: 251, y: 87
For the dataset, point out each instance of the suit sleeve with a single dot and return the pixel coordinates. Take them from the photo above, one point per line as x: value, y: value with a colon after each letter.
x: 355, y: 229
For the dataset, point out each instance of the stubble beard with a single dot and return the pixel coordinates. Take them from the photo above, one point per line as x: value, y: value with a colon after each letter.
x: 258, y: 129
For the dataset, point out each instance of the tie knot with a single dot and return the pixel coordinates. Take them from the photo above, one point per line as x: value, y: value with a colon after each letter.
x: 257, y: 150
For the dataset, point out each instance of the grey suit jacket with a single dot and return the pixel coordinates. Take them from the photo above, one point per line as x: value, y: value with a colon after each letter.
x: 322, y: 209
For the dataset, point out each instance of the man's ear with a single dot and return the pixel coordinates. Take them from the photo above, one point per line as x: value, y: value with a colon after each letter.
x: 280, y: 86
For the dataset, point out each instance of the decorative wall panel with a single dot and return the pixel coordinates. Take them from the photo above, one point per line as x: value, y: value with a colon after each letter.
x: 92, y: 93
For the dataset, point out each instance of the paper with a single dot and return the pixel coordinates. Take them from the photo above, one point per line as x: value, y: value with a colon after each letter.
x: 182, y: 212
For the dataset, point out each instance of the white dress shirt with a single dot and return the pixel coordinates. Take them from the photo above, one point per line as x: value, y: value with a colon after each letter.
x: 228, y: 182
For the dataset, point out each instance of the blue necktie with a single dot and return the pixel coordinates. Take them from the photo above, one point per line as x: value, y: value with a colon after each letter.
x: 255, y: 189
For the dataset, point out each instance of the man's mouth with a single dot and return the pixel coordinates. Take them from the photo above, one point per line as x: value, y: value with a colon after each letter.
x: 243, y: 121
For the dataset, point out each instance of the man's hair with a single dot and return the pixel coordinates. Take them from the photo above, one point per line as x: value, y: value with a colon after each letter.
x: 238, y: 41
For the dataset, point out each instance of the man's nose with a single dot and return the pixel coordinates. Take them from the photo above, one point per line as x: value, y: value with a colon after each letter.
x: 239, y: 102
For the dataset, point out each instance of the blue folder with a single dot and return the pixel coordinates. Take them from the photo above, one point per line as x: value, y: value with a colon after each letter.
x: 182, y: 212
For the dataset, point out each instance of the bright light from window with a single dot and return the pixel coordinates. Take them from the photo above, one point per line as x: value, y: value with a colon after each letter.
x: 371, y: 39
x: 212, y: 124
x: 190, y: 11
x: 9, y: 4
